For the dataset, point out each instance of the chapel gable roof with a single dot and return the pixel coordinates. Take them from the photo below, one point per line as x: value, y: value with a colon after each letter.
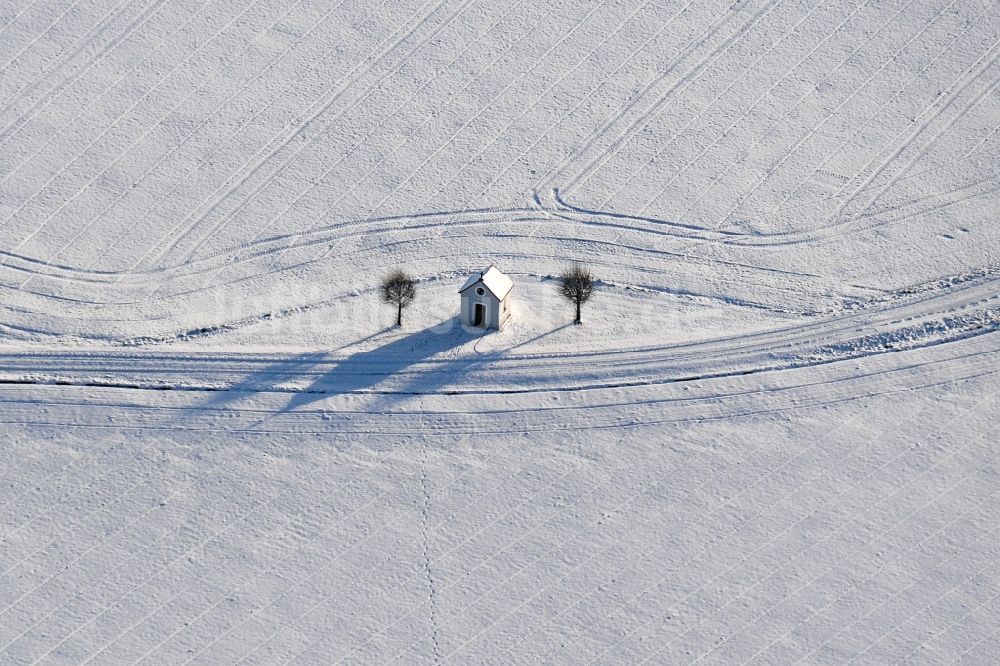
x: 493, y: 279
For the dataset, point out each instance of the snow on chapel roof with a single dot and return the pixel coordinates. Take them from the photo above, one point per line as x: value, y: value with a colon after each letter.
x: 493, y: 279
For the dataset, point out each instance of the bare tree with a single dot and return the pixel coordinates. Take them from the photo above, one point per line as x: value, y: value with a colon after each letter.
x: 399, y: 289
x: 576, y: 284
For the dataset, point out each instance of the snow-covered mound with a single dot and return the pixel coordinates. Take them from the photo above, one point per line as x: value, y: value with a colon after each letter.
x: 771, y: 438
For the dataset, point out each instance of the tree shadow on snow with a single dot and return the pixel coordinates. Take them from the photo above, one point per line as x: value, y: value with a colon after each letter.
x: 387, y: 370
x: 538, y: 337
x: 392, y: 364
x: 277, y: 372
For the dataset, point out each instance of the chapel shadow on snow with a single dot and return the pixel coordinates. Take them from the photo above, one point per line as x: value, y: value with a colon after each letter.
x: 385, y: 370
x: 274, y: 373
x: 392, y: 363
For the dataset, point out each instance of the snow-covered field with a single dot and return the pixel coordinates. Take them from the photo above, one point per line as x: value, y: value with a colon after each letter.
x: 773, y: 439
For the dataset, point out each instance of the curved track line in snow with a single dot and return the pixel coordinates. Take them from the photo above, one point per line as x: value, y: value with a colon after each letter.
x: 812, y: 131
x: 701, y: 233
x: 322, y: 105
x: 273, y: 245
x: 331, y: 207
x: 227, y: 139
x: 134, y: 142
x: 248, y: 250
x: 552, y: 176
x: 878, y: 113
x: 936, y: 109
x: 542, y: 184
x: 904, y: 169
x: 50, y: 96
x: 722, y: 95
x: 925, y: 320
x: 644, y: 405
x: 56, y: 210
x: 421, y: 234
x: 482, y: 109
x: 748, y: 152
x: 587, y: 171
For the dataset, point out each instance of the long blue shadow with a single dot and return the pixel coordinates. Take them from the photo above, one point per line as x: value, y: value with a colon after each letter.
x: 364, y: 371
x: 276, y: 372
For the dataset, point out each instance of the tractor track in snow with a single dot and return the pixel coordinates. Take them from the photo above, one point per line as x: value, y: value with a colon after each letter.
x: 601, y: 224
x: 394, y: 414
x: 46, y: 275
x: 925, y: 319
x: 181, y: 188
x: 631, y: 252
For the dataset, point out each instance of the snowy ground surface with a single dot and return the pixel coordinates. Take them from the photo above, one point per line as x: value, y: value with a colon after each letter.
x: 773, y: 440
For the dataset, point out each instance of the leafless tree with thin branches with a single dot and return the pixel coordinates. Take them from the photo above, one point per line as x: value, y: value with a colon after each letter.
x: 576, y: 284
x: 399, y: 289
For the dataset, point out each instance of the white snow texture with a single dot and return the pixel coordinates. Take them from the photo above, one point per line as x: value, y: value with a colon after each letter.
x: 772, y: 439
